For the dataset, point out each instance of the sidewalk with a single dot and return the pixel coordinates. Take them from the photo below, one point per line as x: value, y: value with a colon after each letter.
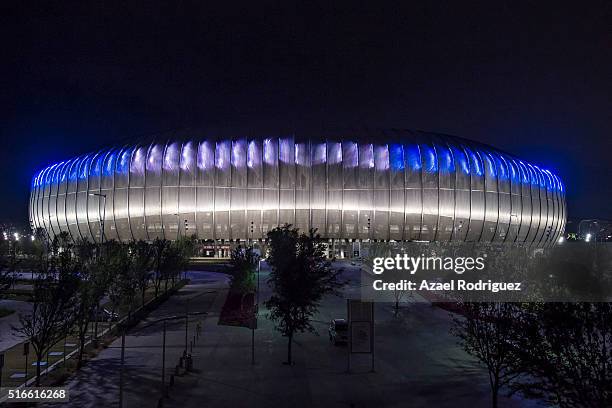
x: 97, y: 383
x: 417, y: 361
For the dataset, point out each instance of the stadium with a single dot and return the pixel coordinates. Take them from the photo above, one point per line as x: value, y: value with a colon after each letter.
x: 395, y: 185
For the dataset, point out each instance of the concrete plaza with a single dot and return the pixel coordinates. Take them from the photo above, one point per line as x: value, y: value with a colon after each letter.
x: 417, y: 361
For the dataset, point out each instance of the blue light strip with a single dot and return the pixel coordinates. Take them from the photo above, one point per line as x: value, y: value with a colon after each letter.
x: 489, y: 164
x: 502, y: 172
x: 461, y: 159
x: 84, y: 167
x: 396, y: 157
x: 475, y: 162
x: 109, y: 165
x: 445, y: 159
x: 123, y: 163
x: 413, y: 157
x: 430, y: 161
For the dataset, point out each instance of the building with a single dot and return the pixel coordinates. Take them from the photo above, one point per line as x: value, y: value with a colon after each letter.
x: 393, y: 185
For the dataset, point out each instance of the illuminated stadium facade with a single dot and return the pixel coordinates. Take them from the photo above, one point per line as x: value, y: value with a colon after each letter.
x: 396, y: 185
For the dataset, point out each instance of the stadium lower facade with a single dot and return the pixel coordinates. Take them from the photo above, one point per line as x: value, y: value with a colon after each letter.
x: 399, y: 185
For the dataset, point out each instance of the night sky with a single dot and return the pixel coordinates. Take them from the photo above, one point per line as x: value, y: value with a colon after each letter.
x: 531, y: 78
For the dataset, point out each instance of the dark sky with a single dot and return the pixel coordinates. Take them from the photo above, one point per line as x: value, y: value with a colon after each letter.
x: 532, y: 78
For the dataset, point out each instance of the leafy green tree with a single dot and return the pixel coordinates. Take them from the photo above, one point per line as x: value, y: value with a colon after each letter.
x: 300, y: 277
x: 171, y: 264
x: 488, y: 331
x: 187, y: 248
x: 53, y: 300
x: 141, y: 264
x: 41, y: 250
x: 123, y: 283
x: 85, y: 251
x: 566, y: 353
x: 158, y: 250
x: 243, y: 267
x: 93, y: 283
x: 8, y: 264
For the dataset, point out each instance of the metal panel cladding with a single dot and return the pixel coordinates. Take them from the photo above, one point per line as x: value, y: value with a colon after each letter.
x: 392, y: 185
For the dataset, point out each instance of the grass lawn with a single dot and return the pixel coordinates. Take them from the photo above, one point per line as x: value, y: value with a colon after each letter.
x: 5, y: 312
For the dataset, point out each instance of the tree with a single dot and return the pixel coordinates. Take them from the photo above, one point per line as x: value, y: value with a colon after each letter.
x: 187, y: 248
x: 243, y: 261
x: 53, y: 300
x: 84, y: 251
x: 172, y: 262
x: 92, y: 286
x: 487, y: 332
x: 158, y: 250
x: 567, y: 354
x: 399, y: 293
x: 300, y: 277
x: 8, y: 264
x: 410, y: 249
x: 122, y: 286
x: 140, y: 256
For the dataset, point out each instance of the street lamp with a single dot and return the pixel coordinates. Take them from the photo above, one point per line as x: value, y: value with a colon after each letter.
x: 164, y: 320
x: 103, y: 217
x: 255, y: 314
x: 102, y: 236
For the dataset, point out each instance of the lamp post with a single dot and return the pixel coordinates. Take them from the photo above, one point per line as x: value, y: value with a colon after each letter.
x: 101, y: 219
x: 186, y: 325
x: 121, y: 367
x: 163, y: 374
x: 255, y: 314
x: 2, y: 365
x: 164, y: 342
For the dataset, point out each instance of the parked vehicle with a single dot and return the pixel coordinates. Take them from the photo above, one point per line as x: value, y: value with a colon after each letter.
x: 338, y: 331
